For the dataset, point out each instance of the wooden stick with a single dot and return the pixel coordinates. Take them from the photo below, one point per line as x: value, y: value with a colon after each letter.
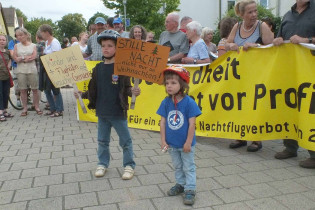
x: 133, y: 99
x: 75, y: 87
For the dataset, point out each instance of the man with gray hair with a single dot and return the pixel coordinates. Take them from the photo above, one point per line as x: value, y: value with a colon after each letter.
x: 173, y: 38
x: 183, y: 23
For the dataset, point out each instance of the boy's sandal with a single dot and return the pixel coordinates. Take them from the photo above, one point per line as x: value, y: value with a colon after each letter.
x: 39, y: 112
x: 128, y: 173
x: 23, y: 114
x: 2, y: 118
x: 7, y: 114
x: 56, y: 114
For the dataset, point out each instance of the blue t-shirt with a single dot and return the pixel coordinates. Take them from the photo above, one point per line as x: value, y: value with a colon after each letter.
x: 176, y: 132
x: 199, y: 50
x: 11, y: 47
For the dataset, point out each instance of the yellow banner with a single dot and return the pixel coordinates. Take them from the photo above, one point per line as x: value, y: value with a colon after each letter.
x: 261, y: 94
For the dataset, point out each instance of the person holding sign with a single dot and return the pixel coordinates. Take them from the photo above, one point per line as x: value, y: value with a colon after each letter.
x: 108, y: 94
x: 52, y: 93
x: 298, y: 26
x: 248, y: 33
x: 178, y: 120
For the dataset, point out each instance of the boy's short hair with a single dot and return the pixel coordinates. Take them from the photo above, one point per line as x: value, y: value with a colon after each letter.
x: 184, y: 87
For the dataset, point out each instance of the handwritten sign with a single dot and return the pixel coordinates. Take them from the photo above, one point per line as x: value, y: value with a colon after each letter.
x: 143, y: 60
x: 66, y: 67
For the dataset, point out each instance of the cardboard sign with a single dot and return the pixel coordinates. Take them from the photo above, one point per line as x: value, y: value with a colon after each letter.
x: 143, y: 60
x: 66, y: 66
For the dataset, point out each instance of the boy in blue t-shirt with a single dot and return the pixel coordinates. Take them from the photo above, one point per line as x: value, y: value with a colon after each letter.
x: 178, y: 118
x: 108, y: 95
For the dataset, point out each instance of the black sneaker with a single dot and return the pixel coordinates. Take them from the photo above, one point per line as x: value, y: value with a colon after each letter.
x: 189, y: 197
x: 177, y: 189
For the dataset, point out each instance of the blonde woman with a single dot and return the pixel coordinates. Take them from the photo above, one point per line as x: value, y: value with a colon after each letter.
x: 25, y: 54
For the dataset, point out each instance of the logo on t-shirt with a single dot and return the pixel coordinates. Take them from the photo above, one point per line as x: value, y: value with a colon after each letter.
x: 175, y: 122
x: 169, y: 44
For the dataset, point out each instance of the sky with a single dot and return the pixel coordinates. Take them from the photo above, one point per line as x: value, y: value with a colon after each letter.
x: 56, y: 9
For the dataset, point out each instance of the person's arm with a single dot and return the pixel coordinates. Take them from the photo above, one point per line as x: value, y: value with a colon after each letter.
x: 190, y: 135
x: 230, y: 45
x: 295, y: 39
x: 266, y: 33
x: 31, y: 57
x: 162, y: 132
x: 176, y: 57
x: 15, y: 56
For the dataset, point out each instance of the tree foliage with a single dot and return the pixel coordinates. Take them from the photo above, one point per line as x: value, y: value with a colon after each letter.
x: 92, y: 19
x: 262, y: 13
x: 148, y: 13
x: 19, y: 13
x: 33, y: 25
x: 71, y: 25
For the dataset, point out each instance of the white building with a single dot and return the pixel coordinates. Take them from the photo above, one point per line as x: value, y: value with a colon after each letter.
x: 209, y: 12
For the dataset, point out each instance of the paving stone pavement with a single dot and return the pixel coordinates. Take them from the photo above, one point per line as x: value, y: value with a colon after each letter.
x: 48, y: 163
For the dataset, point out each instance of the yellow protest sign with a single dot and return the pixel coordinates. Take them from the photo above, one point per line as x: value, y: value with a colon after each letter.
x: 143, y: 60
x: 261, y: 94
x: 66, y: 67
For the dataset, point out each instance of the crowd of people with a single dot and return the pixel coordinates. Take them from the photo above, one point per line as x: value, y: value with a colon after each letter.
x: 189, y: 43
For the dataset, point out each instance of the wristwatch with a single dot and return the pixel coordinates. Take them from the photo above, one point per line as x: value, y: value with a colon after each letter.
x: 195, y: 61
x: 168, y: 60
x: 310, y: 40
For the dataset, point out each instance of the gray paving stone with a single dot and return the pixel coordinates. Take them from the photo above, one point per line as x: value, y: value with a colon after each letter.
x: 5, y: 197
x: 145, y: 192
x: 30, y: 194
x: 114, y: 196
x: 288, y: 186
x: 95, y: 185
x: 204, y: 163
x: 117, y: 183
x: 9, y: 175
x: 42, y: 144
x: 10, y: 153
x: 256, y: 177
x: 228, y: 160
x: 78, y: 176
x: 310, y: 194
x: 28, y: 151
x: 15, y: 159
x: 261, y: 190
x: 35, y: 172
x: 41, y: 156
x: 20, y: 147
x: 296, y: 201
x: 207, y: 173
x: 253, y: 166
x: 63, y: 189
x: 63, y: 169
x: 145, y: 153
x: 152, y: 179
x: 207, y: 198
x: 232, y: 206
x: 173, y: 202
x: 137, y: 204
x: 142, y: 161
x: 4, y: 167
x: 158, y: 168
x: 48, y: 180
x: 24, y: 165
x: 48, y: 203
x: 231, y: 195
x: 105, y: 207
x: 15, y: 206
x: 52, y: 149
x: 207, y: 184
x: 62, y: 154
x: 207, y: 154
x: 307, y: 181
x: 16, y: 184
x: 85, y: 152
x: 231, y: 181
x: 50, y: 162
x: 230, y: 169
x: 78, y: 159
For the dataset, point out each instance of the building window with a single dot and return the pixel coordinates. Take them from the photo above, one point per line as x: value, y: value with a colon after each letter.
x: 264, y: 3
x: 231, y: 4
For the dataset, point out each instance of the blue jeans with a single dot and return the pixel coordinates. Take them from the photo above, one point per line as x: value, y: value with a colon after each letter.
x: 185, y: 168
x: 4, y: 94
x: 55, y: 105
x: 104, y: 130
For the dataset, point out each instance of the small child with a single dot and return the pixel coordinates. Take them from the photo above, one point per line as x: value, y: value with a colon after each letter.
x: 178, y: 118
x: 108, y: 94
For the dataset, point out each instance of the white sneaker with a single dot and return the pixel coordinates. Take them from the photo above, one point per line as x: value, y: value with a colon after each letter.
x: 128, y: 173
x: 100, y: 171
x: 18, y: 103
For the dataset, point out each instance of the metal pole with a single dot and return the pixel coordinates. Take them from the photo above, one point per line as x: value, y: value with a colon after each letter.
x: 125, y: 13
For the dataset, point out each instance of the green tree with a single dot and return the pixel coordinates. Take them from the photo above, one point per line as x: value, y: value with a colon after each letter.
x: 148, y: 13
x: 33, y: 25
x: 92, y: 19
x: 71, y: 25
x: 262, y: 13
